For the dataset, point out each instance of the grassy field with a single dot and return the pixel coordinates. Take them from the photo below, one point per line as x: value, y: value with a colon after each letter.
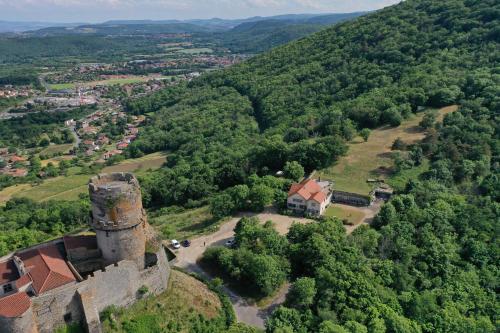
x: 178, y: 309
x: 108, y: 82
x: 151, y: 161
x: 71, y: 186
x: 373, y: 159
x: 196, y: 50
x: 184, y: 224
x: 352, y: 214
x: 56, y: 149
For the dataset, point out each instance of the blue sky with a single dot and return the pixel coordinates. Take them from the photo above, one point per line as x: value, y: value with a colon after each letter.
x: 102, y: 10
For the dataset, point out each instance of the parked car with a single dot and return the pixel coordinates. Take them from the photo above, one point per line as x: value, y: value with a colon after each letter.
x: 186, y: 243
x: 230, y: 242
x: 175, y: 244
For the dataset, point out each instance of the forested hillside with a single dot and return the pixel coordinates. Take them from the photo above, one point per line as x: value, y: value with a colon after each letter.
x: 299, y: 102
x: 429, y: 263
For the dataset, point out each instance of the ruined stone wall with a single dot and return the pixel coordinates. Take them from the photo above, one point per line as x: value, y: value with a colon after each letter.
x: 117, y: 284
x: 353, y: 199
x: 22, y: 324
x: 50, y: 308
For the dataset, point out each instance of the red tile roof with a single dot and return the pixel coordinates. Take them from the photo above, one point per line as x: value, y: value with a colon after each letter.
x: 8, y: 271
x: 14, y: 305
x: 47, y: 268
x: 22, y: 281
x: 308, y: 189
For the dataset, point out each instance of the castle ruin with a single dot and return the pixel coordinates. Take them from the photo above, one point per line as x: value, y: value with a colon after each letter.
x: 74, y: 278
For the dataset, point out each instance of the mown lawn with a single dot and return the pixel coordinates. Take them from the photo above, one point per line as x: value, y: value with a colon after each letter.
x: 351, y: 214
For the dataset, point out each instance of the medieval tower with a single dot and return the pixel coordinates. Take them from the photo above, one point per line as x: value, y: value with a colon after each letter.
x: 118, y: 218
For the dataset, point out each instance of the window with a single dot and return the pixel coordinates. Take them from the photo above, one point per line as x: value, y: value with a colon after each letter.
x: 292, y: 205
x: 7, y: 288
x: 107, y: 233
x: 68, y: 317
x: 297, y: 200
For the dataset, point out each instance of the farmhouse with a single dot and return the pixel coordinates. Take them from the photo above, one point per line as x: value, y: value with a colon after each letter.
x: 309, y: 197
x: 74, y: 278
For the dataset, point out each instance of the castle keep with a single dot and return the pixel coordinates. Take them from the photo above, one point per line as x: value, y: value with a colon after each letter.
x: 74, y: 278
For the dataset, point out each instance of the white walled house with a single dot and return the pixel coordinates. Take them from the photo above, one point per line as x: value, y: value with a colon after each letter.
x: 309, y: 197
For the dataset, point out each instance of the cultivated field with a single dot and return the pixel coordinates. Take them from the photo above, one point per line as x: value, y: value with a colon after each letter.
x: 108, y: 82
x: 373, y: 159
x: 71, y: 186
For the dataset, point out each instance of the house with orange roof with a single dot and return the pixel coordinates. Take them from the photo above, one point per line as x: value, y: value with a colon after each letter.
x: 309, y: 197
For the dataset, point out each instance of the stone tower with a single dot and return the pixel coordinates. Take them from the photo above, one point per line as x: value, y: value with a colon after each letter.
x: 118, y: 217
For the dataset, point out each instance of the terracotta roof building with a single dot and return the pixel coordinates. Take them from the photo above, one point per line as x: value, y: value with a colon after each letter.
x: 14, y: 305
x: 309, y: 196
x: 47, y: 268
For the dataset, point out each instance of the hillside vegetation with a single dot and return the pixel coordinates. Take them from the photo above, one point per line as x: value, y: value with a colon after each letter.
x: 300, y: 102
x: 429, y: 263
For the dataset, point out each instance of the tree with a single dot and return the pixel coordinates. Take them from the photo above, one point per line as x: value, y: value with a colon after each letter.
x: 365, y: 133
x: 260, y: 196
x: 428, y: 120
x: 302, y: 293
x: 398, y: 144
x: 222, y: 205
x: 293, y: 170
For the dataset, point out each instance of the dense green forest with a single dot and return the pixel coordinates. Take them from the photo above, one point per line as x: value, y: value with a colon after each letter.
x: 28, y: 131
x: 299, y: 102
x: 23, y: 50
x: 260, y: 36
x: 430, y: 261
x: 24, y: 222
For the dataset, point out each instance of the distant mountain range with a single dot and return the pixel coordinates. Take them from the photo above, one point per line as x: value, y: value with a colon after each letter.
x: 117, y: 27
x: 8, y: 26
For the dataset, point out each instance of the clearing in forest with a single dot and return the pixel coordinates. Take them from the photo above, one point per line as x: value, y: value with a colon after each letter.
x: 373, y: 159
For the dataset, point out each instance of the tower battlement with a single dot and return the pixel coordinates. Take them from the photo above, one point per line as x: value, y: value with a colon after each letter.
x: 116, y: 202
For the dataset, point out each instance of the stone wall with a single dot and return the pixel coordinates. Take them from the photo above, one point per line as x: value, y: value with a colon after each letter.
x: 117, y: 284
x: 128, y: 244
x: 353, y: 199
x: 22, y: 324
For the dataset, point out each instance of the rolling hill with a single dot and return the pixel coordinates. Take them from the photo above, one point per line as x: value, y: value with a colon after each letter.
x: 429, y: 260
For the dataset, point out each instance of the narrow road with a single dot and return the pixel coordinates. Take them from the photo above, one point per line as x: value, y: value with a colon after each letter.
x: 187, y: 258
x: 248, y: 313
x: 78, y: 140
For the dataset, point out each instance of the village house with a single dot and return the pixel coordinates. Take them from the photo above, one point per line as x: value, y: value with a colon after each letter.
x: 122, y: 145
x: 310, y: 197
x: 106, y: 156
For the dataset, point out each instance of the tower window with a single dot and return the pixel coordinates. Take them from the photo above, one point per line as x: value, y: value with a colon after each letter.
x: 107, y: 233
x: 68, y: 317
